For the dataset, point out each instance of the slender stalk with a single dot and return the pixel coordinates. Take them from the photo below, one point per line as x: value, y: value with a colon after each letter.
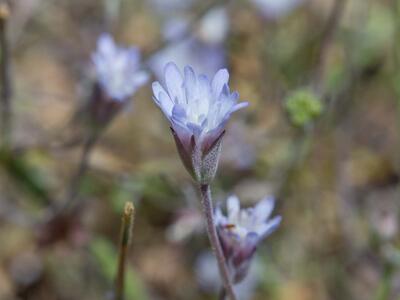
x: 73, y: 189
x: 208, y: 210
x: 396, y: 72
x: 125, y: 239
x: 68, y: 205
x: 222, y: 294
x: 327, y: 36
x: 5, y: 75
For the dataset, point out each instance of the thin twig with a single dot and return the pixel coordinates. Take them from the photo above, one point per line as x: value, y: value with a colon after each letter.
x: 6, y: 91
x: 73, y: 189
x: 208, y: 210
x: 125, y: 239
x: 396, y: 59
x: 327, y: 35
x: 70, y: 201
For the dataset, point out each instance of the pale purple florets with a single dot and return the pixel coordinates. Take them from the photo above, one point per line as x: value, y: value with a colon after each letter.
x: 118, y: 69
x: 195, y: 104
x: 198, y: 109
x: 241, y: 230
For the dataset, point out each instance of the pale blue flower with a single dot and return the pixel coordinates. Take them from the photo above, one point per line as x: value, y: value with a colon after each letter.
x: 195, y: 105
x: 118, y: 69
x: 198, y: 109
x: 241, y: 230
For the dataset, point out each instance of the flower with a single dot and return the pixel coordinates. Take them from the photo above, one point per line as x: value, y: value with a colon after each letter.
x: 118, y: 69
x: 198, y: 110
x: 275, y: 9
x: 242, y: 230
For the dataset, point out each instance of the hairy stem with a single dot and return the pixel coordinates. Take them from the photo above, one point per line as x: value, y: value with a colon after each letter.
x: 125, y: 239
x: 214, y: 240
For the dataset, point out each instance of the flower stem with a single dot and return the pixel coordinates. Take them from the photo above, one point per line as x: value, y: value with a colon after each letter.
x: 126, y: 233
x: 73, y: 189
x: 222, y: 294
x: 215, y: 243
x: 5, y: 76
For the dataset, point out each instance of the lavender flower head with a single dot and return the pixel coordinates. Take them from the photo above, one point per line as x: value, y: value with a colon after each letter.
x: 118, y: 69
x: 198, y: 109
x: 242, y: 230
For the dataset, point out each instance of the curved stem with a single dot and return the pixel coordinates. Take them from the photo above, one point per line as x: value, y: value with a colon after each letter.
x: 213, y: 236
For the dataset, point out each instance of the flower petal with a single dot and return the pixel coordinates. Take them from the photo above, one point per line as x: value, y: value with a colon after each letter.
x: 233, y: 207
x: 220, y: 79
x: 162, y: 99
x: 239, y: 106
x: 190, y: 83
x: 263, y: 209
x: 173, y: 81
x: 267, y: 228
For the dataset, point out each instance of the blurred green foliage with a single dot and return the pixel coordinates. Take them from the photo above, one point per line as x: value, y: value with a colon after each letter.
x: 303, y: 107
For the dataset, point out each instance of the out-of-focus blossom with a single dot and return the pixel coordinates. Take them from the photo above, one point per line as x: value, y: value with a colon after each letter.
x: 205, y: 58
x: 275, y: 9
x: 203, y: 50
x: 187, y: 222
x: 118, y: 77
x: 167, y: 7
x: 242, y: 230
x: 118, y: 69
x: 198, y: 109
x: 214, y: 26
x: 207, y: 274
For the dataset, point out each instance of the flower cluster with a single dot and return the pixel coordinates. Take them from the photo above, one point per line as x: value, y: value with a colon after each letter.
x: 198, y: 109
x: 241, y: 230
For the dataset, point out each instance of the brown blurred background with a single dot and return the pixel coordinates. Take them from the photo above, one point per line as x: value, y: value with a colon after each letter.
x: 334, y: 170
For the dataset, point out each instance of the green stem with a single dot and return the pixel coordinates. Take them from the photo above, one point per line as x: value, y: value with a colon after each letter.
x: 205, y: 192
x: 125, y: 239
